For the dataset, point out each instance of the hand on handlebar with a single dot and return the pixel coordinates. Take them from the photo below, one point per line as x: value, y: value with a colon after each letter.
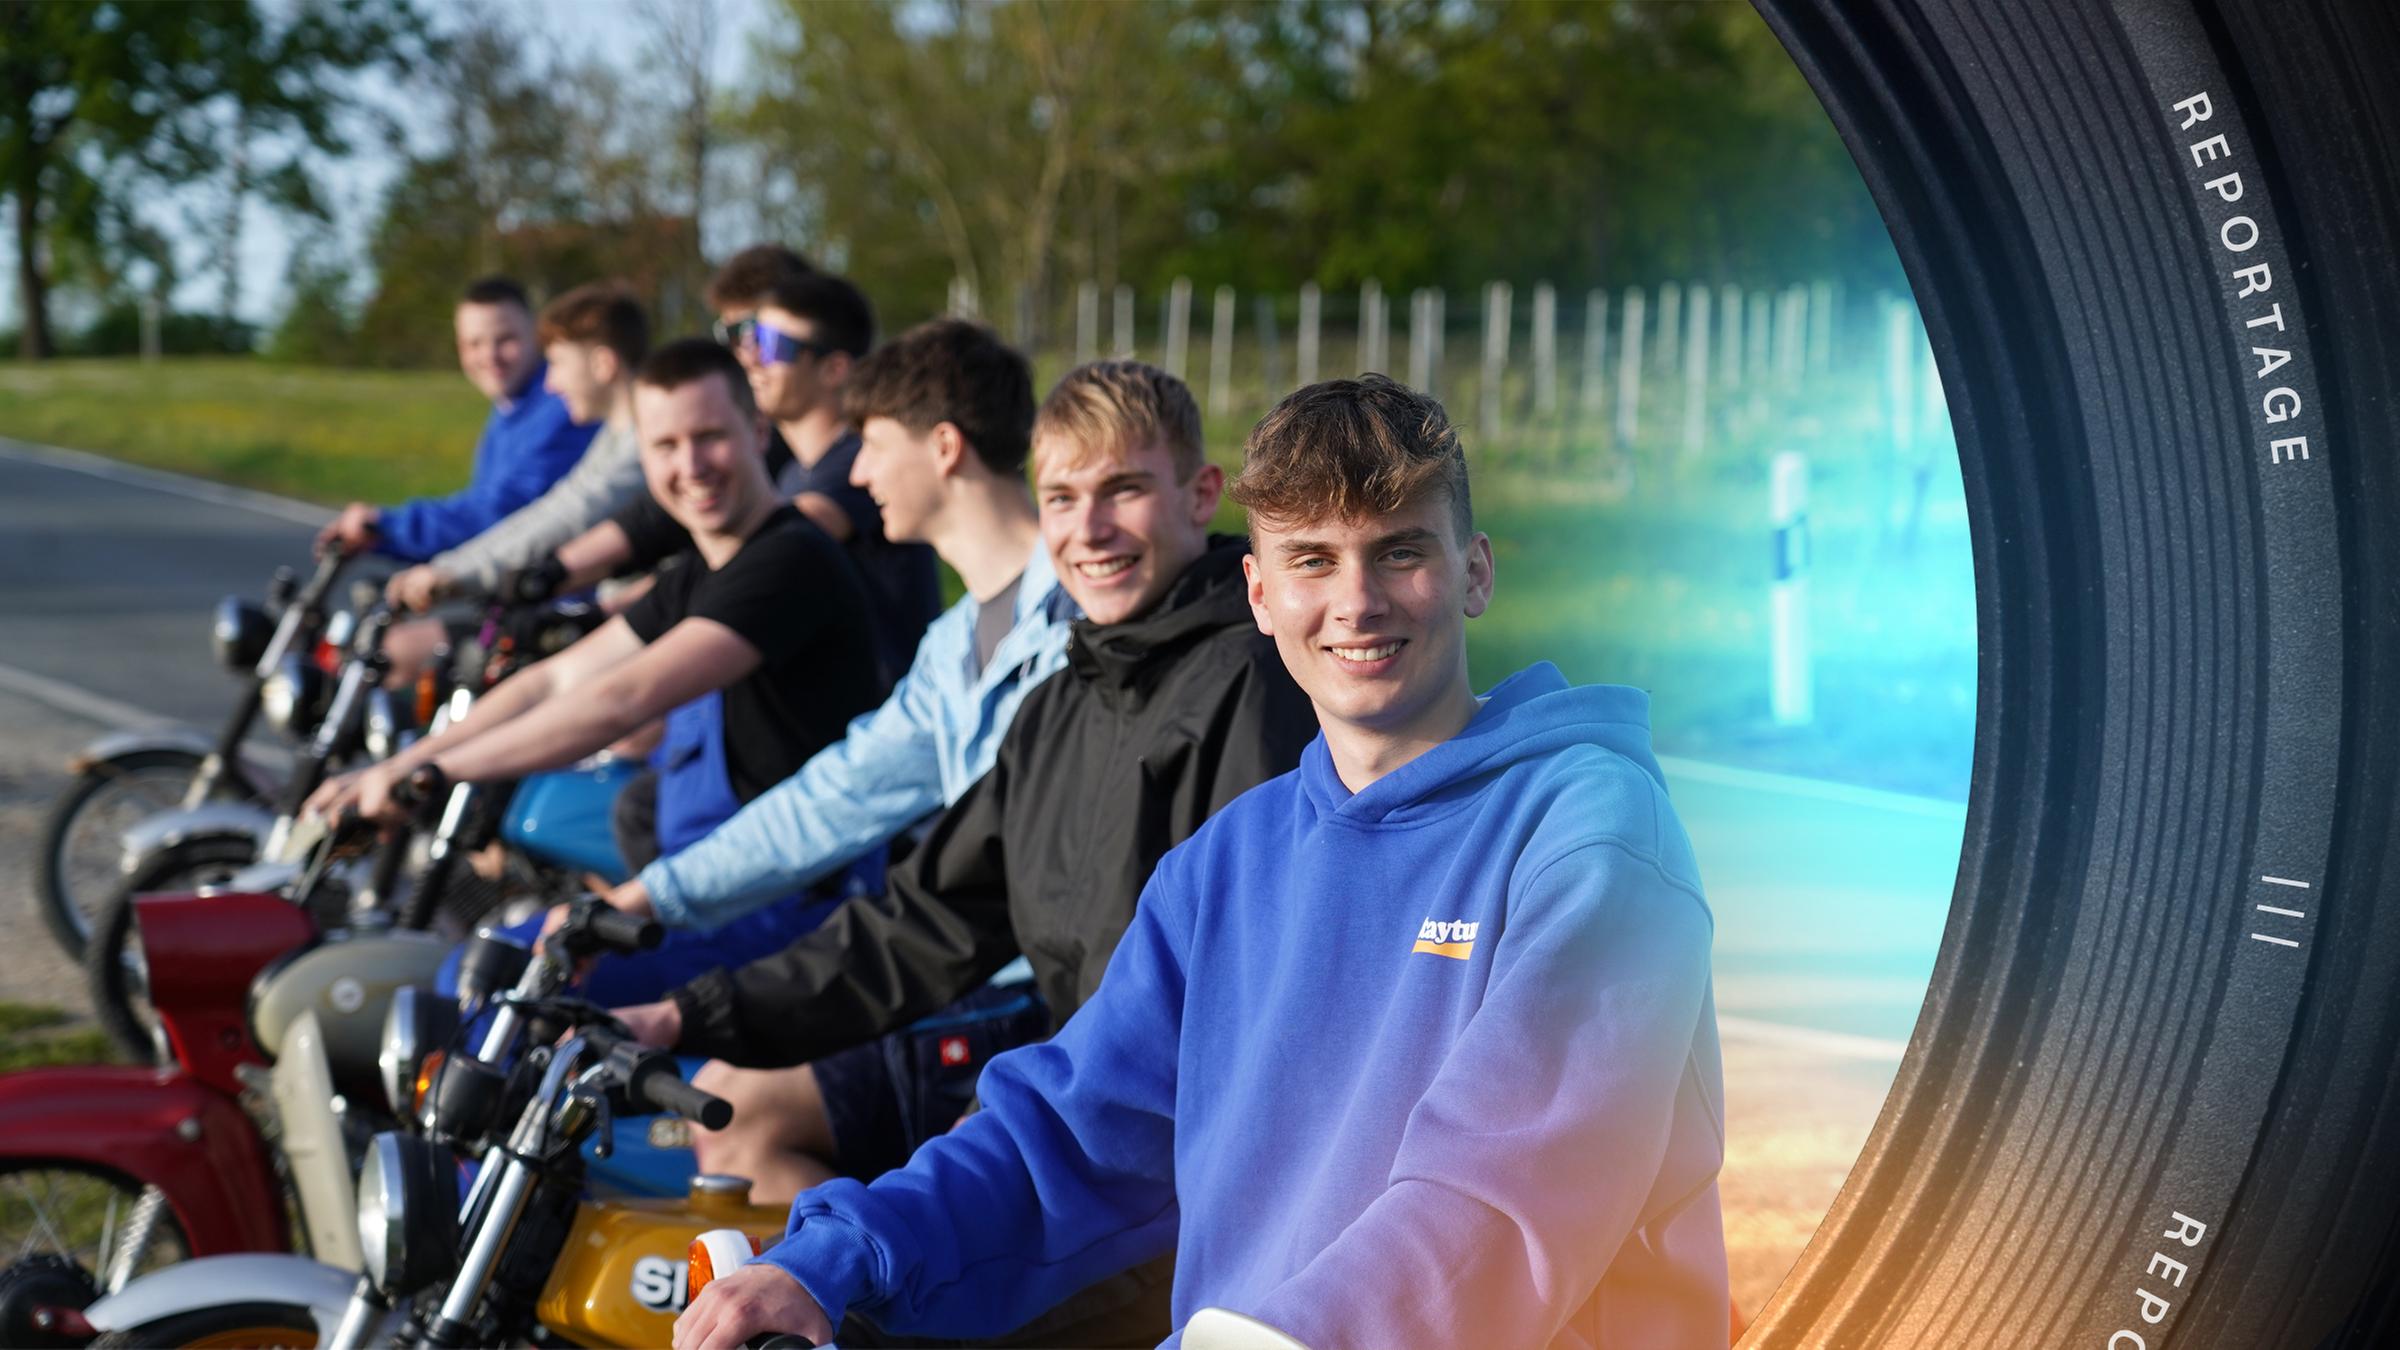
x: 760, y: 1298
x: 355, y: 530
x: 418, y: 588
x: 659, y: 1024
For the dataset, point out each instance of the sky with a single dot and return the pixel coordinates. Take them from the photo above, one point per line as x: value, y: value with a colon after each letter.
x: 353, y: 188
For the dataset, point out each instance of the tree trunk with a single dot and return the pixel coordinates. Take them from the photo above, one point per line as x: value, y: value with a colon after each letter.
x: 33, y: 300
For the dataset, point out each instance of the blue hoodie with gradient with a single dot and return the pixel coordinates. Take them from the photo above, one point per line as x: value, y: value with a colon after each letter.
x: 1430, y: 1064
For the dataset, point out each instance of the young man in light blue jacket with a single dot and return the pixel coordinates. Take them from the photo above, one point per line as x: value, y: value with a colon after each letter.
x: 1410, y: 1046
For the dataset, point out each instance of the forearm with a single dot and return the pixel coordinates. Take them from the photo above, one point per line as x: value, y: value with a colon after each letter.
x: 594, y: 555
x: 553, y: 735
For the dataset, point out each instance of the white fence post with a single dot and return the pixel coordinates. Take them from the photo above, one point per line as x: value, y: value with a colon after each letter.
x: 1178, y: 335
x: 1595, y: 351
x: 1087, y: 321
x: 1311, y: 317
x: 1695, y: 374
x: 962, y: 298
x: 1499, y: 316
x: 1791, y: 336
x: 1545, y: 350
x: 1670, y: 325
x: 1374, y: 329
x: 1220, y: 354
x: 1791, y: 688
x: 1629, y: 368
x: 150, y: 328
x: 1820, y: 327
x: 1123, y: 348
x: 1270, y: 347
x: 1729, y: 348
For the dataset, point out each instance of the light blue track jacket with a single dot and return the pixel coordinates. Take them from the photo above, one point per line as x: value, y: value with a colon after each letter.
x: 1434, y: 1064
x: 930, y: 740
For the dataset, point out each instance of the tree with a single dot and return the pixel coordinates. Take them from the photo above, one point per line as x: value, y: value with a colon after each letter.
x: 106, y: 98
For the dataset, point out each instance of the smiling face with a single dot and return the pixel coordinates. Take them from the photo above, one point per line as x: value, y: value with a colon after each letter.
x: 1370, y: 618
x: 496, y: 348
x: 700, y: 454
x: 1119, y: 528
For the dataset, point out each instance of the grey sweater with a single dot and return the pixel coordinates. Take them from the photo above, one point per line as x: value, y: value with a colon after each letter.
x: 607, y: 476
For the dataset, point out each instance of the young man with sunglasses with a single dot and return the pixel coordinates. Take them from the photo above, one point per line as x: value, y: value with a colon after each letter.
x: 1412, y: 1046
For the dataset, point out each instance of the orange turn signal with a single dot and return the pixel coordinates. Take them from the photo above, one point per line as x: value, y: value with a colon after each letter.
x: 719, y: 1251
x: 428, y: 1069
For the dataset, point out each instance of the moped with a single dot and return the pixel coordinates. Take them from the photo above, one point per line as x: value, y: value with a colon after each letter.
x: 131, y: 775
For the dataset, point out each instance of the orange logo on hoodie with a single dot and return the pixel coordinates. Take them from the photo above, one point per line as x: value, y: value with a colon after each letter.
x: 1454, y: 939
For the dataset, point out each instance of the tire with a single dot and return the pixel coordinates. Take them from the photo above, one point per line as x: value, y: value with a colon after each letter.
x: 84, y: 1214
x: 111, y: 962
x: 237, y: 1326
x: 79, y: 861
x: 2163, y: 1018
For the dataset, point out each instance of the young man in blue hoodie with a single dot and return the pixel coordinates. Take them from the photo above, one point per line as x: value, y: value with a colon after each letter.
x: 1412, y: 1046
x: 529, y: 442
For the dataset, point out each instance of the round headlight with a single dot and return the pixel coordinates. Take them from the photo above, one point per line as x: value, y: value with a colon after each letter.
x: 383, y: 724
x: 284, y: 694
x: 239, y: 633
x: 407, y: 1234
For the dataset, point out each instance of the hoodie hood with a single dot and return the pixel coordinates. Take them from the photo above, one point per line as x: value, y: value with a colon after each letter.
x: 1532, y: 713
x: 1208, y: 597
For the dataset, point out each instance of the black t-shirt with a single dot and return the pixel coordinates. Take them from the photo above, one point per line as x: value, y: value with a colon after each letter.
x: 903, y: 581
x: 791, y: 594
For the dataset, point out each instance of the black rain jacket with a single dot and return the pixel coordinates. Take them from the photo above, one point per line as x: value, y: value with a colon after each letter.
x: 1152, y: 726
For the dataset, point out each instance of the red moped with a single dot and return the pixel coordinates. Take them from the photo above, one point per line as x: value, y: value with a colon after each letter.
x: 110, y: 1170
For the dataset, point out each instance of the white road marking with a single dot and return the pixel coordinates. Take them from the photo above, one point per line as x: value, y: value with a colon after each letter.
x: 2287, y: 913
x: 2284, y: 881
x: 2280, y: 942
x: 75, y: 702
x: 160, y: 480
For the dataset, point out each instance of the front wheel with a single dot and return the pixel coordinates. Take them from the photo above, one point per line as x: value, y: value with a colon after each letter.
x: 236, y: 1326
x: 113, y: 968
x: 82, y: 841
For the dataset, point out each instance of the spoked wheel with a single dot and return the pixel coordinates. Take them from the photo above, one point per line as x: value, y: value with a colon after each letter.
x: 83, y: 840
x: 64, y: 1222
x: 112, y: 962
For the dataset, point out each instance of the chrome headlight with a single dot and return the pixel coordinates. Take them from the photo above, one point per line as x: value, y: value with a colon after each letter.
x: 239, y: 634
x: 285, y: 696
x: 407, y: 1234
x: 418, y: 1023
x: 383, y: 724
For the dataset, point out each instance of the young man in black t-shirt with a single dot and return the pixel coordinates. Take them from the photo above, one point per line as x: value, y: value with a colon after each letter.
x: 799, y: 341
x: 755, y: 646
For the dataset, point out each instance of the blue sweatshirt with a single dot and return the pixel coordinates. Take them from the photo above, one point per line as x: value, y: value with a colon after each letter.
x: 1432, y: 1064
x: 528, y: 443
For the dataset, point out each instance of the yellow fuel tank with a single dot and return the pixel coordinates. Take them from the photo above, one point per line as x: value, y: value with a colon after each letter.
x: 620, y: 1279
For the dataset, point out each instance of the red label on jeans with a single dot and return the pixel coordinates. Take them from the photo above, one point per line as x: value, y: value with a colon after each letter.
x: 955, y: 1051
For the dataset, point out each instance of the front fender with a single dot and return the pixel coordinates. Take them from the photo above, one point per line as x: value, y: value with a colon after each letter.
x: 220, y: 1281
x: 159, y: 1128
x: 256, y: 781
x: 228, y: 820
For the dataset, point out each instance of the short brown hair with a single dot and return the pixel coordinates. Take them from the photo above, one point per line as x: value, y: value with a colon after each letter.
x: 949, y: 370
x: 1350, y: 449
x: 686, y: 360
x: 747, y: 275
x: 601, y: 314
x: 1124, y: 406
x: 844, y: 320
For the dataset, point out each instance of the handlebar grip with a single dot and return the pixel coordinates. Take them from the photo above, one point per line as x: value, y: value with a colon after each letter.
x: 779, y: 1341
x: 616, y: 929
x: 662, y: 1089
x: 533, y: 584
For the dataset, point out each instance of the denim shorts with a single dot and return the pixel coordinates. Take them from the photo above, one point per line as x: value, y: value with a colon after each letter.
x: 886, y: 1097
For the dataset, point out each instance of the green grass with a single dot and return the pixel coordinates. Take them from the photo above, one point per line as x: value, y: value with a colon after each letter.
x: 31, y: 1036
x: 1647, y: 568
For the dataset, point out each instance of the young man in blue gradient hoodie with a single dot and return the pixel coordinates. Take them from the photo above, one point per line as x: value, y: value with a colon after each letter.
x: 1412, y: 1046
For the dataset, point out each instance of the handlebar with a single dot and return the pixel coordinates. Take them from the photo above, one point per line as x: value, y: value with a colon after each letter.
x: 778, y: 1341
x: 649, y: 1075
x: 533, y: 584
